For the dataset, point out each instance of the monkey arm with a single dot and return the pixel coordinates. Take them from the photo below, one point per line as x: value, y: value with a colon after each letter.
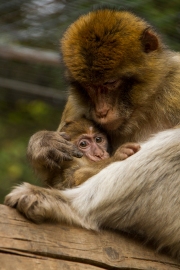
x: 142, y: 193
x: 47, y: 150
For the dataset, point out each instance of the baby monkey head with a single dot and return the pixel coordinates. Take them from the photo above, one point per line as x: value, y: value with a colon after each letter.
x: 88, y: 138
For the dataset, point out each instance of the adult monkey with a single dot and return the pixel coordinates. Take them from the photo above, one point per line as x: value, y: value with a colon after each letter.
x: 124, y: 78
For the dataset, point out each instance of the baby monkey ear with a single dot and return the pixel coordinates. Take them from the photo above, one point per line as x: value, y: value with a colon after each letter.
x: 149, y: 40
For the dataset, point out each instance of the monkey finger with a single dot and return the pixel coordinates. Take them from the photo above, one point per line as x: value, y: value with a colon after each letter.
x: 63, y: 150
x: 134, y: 146
x: 65, y: 136
x: 69, y: 149
x: 66, y: 157
x: 67, y: 153
x: 76, y: 152
x: 63, y: 146
x: 61, y: 141
x: 124, y: 152
x: 55, y: 157
x: 127, y: 151
x: 120, y: 156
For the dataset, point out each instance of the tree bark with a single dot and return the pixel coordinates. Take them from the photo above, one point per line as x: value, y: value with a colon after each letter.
x: 25, y: 245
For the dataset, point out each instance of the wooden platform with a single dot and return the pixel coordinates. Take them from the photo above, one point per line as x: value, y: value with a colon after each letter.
x: 28, y: 246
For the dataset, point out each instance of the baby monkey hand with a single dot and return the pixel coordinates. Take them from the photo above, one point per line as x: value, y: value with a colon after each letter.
x: 126, y: 150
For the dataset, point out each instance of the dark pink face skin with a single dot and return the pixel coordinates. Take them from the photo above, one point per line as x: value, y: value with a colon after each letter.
x: 93, y: 145
x: 104, y: 98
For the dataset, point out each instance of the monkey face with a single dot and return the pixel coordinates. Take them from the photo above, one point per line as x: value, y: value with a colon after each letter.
x: 106, y: 54
x: 108, y: 106
x: 88, y: 138
x: 93, y: 146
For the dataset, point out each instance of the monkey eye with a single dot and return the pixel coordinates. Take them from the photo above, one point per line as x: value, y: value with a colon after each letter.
x: 83, y: 144
x: 98, y: 139
x: 112, y: 84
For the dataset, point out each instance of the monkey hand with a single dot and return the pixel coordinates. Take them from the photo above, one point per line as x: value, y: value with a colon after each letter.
x: 48, y: 149
x: 126, y: 150
x: 36, y: 203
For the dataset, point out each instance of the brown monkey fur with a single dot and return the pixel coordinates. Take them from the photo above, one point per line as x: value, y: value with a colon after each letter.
x: 94, y: 159
x: 124, y: 78
x: 126, y: 69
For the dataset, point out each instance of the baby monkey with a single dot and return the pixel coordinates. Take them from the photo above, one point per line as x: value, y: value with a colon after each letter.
x: 95, y: 148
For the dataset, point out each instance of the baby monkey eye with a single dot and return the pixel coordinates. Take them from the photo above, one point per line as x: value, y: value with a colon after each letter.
x: 98, y: 139
x: 83, y: 144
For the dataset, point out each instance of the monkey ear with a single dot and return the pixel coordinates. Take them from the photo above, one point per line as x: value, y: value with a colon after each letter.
x: 149, y: 41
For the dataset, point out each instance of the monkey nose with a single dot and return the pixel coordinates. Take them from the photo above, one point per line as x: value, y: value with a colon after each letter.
x: 101, y: 113
x: 99, y: 155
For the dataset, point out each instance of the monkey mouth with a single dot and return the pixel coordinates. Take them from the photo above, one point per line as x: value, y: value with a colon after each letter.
x: 111, y: 125
x: 98, y: 158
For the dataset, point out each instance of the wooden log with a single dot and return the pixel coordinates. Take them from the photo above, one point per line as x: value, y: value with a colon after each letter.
x: 25, y: 245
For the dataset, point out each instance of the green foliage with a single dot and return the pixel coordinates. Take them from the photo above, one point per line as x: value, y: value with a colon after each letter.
x: 18, y: 121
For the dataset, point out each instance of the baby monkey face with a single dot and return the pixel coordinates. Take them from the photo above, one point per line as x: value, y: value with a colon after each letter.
x: 93, y: 145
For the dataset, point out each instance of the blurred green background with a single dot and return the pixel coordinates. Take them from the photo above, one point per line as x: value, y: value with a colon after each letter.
x: 32, y: 88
